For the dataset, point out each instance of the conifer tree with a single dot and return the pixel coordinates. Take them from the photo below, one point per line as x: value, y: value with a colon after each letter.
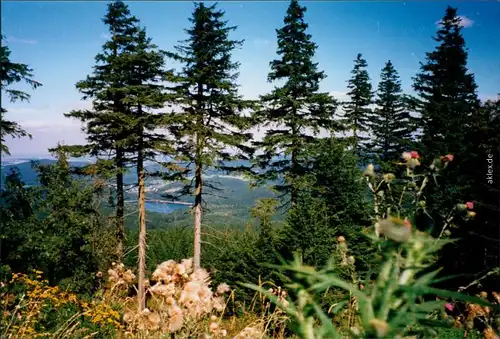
x: 210, y: 123
x: 294, y: 109
x: 447, y: 91
x: 144, y: 93
x: 13, y: 73
x: 449, y: 108
x: 264, y: 210
x: 391, y: 123
x: 357, y: 112
x: 333, y: 204
x: 105, y: 124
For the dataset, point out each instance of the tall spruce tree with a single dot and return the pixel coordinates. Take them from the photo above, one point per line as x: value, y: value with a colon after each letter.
x: 293, y: 110
x: 210, y: 123
x: 13, y: 73
x: 447, y: 91
x: 105, y: 124
x: 391, y: 123
x: 357, y: 112
x: 449, y: 108
x: 143, y: 95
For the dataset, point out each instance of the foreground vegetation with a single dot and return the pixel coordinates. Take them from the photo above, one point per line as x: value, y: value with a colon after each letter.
x: 356, y: 253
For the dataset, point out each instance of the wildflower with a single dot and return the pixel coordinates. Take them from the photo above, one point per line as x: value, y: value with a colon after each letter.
x: 176, y: 319
x: 489, y: 333
x: 461, y: 207
x: 471, y: 214
x: 128, y: 317
x: 395, y: 229
x: 223, y: 288
x: 340, y: 239
x: 213, y: 327
x: 469, y: 205
x: 496, y: 296
x: 449, y: 307
x: 369, y: 171
x: 446, y: 158
x: 351, y: 260
x: 153, y: 321
x: 389, y: 177
x: 218, y: 304
x: 380, y: 326
x: 411, y: 159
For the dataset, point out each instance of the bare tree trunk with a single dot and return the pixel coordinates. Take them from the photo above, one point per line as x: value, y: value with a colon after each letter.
x: 142, y: 229
x: 120, y: 206
x: 197, y: 216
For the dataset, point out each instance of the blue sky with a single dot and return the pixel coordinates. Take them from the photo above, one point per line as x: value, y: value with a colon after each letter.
x: 60, y: 39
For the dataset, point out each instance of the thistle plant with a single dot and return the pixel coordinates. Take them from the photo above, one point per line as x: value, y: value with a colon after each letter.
x: 396, y: 303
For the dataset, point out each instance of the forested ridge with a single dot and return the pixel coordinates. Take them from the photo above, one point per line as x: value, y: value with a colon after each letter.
x: 371, y: 217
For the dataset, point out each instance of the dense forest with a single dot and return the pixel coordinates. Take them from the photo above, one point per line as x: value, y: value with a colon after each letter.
x: 376, y: 216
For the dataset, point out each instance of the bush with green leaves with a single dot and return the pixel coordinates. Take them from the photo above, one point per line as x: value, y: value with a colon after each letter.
x: 54, y: 227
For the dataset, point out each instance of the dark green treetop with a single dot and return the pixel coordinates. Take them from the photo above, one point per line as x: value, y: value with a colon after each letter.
x: 295, y: 111
x: 357, y: 112
x: 209, y: 119
x: 446, y: 90
x: 391, y: 124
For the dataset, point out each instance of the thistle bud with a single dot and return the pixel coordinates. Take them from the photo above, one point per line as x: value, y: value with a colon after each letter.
x: 469, y: 205
x: 461, y: 207
x: 380, y: 326
x: 471, y: 214
x: 396, y: 229
x: 422, y: 204
x: 351, y: 260
x: 340, y: 239
x: 446, y: 158
x: 413, y: 163
x: 406, y: 156
x: 369, y: 171
x: 389, y: 177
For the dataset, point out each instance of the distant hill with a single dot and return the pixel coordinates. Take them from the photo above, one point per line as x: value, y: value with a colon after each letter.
x: 28, y: 173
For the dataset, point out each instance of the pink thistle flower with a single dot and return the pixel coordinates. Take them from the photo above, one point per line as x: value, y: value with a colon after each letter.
x: 449, y: 307
x: 446, y: 158
x: 407, y: 224
x: 414, y: 155
x: 470, y: 205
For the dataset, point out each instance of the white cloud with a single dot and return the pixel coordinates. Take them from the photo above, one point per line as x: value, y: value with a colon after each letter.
x: 12, y: 39
x: 465, y: 22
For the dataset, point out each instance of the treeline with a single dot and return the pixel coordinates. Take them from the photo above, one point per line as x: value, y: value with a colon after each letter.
x: 142, y: 109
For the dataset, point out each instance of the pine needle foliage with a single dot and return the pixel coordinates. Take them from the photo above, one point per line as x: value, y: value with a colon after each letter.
x: 210, y: 123
x: 295, y: 111
x: 357, y: 111
x: 391, y: 123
